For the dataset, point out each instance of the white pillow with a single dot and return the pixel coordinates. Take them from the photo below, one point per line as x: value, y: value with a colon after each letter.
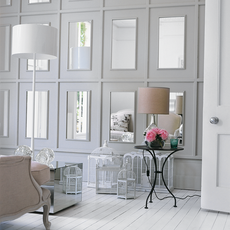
x: 120, y: 122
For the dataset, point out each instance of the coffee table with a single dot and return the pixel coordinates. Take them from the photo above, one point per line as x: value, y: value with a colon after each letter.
x: 59, y: 199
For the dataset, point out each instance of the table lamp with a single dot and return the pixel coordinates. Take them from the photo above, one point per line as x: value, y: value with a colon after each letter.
x: 37, y: 42
x: 153, y: 100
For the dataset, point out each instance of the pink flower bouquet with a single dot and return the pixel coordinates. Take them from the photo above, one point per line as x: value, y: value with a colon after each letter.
x: 156, y: 137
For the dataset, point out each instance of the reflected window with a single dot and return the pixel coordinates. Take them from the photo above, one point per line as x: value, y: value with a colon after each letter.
x: 41, y: 114
x: 171, y: 42
x: 4, y: 48
x: 124, y: 44
x: 79, y: 49
x: 4, y: 110
x: 78, y: 115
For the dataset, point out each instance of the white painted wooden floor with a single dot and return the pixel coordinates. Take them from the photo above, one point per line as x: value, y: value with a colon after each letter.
x: 104, y: 212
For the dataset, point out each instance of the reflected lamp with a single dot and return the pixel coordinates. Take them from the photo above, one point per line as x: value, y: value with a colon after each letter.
x: 37, y: 42
x: 153, y: 100
x: 179, y: 104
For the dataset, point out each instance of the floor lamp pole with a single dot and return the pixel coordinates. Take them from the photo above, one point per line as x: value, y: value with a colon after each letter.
x: 33, y: 111
x: 34, y: 41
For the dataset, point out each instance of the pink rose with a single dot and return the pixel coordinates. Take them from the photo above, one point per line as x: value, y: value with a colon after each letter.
x: 156, y: 130
x: 164, y: 134
x: 151, y: 135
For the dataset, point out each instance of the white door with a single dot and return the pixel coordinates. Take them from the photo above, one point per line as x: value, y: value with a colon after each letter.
x: 215, y: 192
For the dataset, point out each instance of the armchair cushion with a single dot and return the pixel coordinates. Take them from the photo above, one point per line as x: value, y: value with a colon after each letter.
x: 40, y: 172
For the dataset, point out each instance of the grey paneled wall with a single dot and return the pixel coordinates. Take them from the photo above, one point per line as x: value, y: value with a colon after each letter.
x: 101, y: 80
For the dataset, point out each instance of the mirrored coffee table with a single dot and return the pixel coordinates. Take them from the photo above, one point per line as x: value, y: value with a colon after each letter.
x: 59, y: 198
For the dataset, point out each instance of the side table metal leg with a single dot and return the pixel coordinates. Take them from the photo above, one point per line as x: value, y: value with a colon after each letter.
x: 151, y: 198
x: 154, y: 182
x: 162, y: 171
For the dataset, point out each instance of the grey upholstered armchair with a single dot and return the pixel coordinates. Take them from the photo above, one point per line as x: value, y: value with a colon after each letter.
x: 20, y: 190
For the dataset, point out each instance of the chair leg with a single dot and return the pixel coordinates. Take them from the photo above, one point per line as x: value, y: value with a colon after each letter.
x: 46, y: 209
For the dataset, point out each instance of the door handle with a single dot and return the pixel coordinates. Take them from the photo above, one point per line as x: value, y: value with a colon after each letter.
x: 214, y: 120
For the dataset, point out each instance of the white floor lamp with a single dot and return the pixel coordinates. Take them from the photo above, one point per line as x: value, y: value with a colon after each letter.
x: 37, y: 42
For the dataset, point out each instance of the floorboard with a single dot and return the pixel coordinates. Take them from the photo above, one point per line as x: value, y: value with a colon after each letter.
x: 106, y: 211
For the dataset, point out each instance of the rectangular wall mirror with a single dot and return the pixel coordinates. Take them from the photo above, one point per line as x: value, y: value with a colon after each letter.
x: 78, y: 110
x: 5, y: 3
x: 38, y: 1
x: 4, y: 48
x: 124, y: 44
x: 4, y: 113
x: 79, y: 47
x: 41, y: 65
x: 171, y: 43
x: 173, y: 122
x: 41, y: 114
x: 122, y: 117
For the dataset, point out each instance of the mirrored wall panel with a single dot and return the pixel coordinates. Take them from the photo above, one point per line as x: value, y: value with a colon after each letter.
x: 79, y: 48
x: 173, y: 122
x: 78, y: 104
x: 124, y: 44
x: 4, y: 113
x: 4, y: 48
x: 41, y: 114
x: 41, y: 65
x: 5, y: 2
x: 38, y: 1
x: 171, y: 43
x: 122, y: 117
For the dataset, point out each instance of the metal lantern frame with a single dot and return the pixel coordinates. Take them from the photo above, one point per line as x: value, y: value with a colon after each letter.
x: 126, y: 184
x: 72, y: 180
x: 107, y: 170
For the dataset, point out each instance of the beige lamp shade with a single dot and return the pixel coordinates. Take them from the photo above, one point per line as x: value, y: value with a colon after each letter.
x: 153, y: 100
x: 30, y: 39
x: 179, y: 104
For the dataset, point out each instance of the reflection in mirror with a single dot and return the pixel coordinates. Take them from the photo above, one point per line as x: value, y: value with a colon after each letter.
x: 171, y: 43
x: 78, y: 115
x: 5, y: 3
x: 122, y: 116
x: 4, y: 48
x: 124, y: 44
x: 41, y: 114
x: 41, y: 65
x: 173, y: 122
x: 79, y: 50
x: 4, y: 110
x: 38, y: 1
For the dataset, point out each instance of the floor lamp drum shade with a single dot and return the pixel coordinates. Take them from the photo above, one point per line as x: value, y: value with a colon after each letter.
x: 153, y: 100
x: 30, y: 39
